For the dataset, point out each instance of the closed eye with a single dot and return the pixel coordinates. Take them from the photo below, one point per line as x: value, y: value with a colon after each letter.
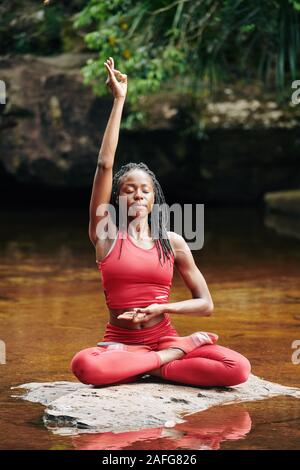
x: 129, y: 192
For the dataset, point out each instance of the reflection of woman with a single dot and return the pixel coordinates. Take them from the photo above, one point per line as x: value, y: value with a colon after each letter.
x: 206, y: 431
x: 137, y: 275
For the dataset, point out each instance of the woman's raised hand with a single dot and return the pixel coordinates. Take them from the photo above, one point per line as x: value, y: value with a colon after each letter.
x: 118, y: 88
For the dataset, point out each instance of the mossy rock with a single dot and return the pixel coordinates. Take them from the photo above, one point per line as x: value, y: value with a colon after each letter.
x: 284, y: 201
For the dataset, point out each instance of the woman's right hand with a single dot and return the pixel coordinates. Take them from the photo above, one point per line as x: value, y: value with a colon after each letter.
x: 118, y: 88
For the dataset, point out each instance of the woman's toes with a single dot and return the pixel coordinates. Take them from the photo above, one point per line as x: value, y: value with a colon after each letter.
x: 202, y: 338
x: 213, y: 337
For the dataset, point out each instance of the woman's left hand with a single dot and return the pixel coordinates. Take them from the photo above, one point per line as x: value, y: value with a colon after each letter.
x: 142, y: 314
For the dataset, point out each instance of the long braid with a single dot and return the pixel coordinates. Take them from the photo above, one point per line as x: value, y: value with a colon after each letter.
x: 162, y: 243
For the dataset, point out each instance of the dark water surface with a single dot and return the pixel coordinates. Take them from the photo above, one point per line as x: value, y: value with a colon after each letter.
x: 51, y: 306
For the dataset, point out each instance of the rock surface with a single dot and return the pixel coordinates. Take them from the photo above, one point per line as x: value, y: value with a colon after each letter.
x: 287, y: 202
x: 284, y: 224
x: 73, y: 408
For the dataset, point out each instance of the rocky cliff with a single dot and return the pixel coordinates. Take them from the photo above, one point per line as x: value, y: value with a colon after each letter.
x: 52, y: 125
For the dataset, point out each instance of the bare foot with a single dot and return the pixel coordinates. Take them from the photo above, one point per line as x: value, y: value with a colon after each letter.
x: 166, y: 355
x: 187, y: 343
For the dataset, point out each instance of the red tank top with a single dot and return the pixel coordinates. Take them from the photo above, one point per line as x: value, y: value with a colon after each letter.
x: 136, y: 278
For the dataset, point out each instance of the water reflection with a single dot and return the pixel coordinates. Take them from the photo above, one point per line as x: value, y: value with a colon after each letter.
x: 203, y: 430
x: 283, y: 224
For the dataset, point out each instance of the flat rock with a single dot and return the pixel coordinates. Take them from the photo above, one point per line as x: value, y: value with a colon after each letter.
x: 73, y: 408
x: 284, y: 201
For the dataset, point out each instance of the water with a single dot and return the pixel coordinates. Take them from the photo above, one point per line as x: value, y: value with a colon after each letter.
x: 51, y: 306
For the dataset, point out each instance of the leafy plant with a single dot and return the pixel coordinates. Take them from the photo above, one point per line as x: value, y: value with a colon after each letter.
x: 199, y: 43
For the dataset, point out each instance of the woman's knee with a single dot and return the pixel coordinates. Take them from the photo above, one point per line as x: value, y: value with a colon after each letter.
x: 84, y: 366
x: 240, y: 371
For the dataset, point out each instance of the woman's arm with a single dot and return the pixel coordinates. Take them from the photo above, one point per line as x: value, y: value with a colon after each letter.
x: 198, y: 306
x: 201, y: 303
x: 102, y: 185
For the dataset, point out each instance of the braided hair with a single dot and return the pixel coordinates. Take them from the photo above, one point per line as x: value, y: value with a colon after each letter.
x: 163, y: 245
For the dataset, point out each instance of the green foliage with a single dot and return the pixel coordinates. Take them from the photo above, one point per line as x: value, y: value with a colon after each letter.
x: 210, y: 42
x: 32, y: 27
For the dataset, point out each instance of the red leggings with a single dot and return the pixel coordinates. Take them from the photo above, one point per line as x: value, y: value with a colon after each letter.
x: 209, y: 365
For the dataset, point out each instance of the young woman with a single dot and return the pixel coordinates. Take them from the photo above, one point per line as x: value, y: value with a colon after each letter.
x: 137, y: 272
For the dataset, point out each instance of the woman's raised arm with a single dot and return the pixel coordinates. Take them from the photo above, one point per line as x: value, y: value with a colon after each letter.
x: 102, y: 185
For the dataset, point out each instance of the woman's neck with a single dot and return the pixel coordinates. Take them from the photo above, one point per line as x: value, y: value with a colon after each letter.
x: 139, y: 230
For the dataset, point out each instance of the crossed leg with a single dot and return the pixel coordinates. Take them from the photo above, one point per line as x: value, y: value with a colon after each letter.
x: 209, y: 365
x: 98, y: 366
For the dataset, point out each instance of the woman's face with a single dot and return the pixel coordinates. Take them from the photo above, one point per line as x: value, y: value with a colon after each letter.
x: 138, y: 188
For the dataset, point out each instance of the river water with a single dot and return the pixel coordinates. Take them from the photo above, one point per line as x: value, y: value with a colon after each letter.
x: 51, y: 306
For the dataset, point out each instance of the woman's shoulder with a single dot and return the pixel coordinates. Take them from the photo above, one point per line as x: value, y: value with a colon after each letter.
x: 175, y: 238
x: 176, y: 241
